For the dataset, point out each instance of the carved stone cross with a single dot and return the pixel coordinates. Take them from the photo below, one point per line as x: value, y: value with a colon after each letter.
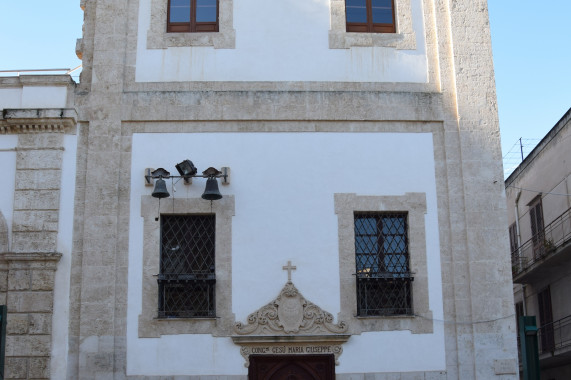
x: 289, y: 268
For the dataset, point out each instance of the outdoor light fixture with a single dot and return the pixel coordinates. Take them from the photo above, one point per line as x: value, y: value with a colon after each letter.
x: 188, y: 171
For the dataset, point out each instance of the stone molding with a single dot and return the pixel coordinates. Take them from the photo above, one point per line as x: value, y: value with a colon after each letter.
x: 37, y: 81
x: 403, y: 39
x: 415, y: 205
x: 149, y: 325
x: 290, y: 313
x: 41, y: 120
x: 158, y: 38
x: 243, y: 108
x: 47, y: 260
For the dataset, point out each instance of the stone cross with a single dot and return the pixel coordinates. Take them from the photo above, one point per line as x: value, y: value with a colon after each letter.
x: 289, y: 268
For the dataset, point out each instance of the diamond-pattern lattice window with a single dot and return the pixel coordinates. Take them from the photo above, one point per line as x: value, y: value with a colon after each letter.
x: 382, y: 264
x: 187, y: 278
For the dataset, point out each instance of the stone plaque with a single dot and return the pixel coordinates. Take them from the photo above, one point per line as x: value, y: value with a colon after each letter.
x: 505, y: 367
x: 295, y: 345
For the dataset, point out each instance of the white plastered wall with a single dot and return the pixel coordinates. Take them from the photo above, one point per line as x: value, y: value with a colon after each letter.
x: 60, y: 321
x: 8, y: 144
x: 33, y: 97
x: 281, y: 41
x: 283, y: 187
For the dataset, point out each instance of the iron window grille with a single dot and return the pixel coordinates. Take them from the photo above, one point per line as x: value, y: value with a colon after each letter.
x: 384, y: 281
x: 187, y: 276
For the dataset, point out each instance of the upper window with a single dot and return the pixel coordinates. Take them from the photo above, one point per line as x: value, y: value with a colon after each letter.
x: 382, y: 264
x: 537, y: 231
x: 370, y: 16
x: 192, y: 16
x: 187, y: 276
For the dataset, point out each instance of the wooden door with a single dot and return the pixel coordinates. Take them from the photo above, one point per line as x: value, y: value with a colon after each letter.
x: 291, y: 367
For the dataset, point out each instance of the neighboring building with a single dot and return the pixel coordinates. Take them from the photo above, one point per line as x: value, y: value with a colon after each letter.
x: 364, y: 173
x: 539, y: 213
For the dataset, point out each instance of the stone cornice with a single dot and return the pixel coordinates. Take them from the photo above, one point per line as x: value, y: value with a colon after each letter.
x: 37, y: 80
x: 45, y: 260
x: 259, y: 339
x: 38, y: 120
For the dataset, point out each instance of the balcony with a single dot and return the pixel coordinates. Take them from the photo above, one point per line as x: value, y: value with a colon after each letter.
x: 555, y: 342
x: 542, y: 254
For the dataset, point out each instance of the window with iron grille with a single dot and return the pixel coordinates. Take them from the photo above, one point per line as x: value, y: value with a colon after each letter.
x: 382, y: 264
x: 187, y: 277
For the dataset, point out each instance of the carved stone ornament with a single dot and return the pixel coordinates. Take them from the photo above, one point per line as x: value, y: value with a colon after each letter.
x: 290, y: 314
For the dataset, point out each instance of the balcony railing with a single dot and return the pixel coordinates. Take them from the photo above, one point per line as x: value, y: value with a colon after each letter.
x: 553, y: 236
x: 555, y: 335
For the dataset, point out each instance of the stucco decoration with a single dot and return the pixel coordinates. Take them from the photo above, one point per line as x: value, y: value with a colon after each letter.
x: 3, y: 234
x: 290, y: 313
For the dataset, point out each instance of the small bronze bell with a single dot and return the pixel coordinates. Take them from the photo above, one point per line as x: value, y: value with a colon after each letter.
x: 160, y: 190
x: 211, y: 192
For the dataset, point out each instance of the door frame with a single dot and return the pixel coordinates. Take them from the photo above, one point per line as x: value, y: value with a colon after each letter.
x: 262, y: 367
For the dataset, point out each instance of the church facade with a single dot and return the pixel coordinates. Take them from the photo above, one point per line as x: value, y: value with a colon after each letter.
x: 260, y: 190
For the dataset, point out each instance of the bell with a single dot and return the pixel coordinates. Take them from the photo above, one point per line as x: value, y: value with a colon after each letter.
x: 211, y: 192
x: 160, y: 190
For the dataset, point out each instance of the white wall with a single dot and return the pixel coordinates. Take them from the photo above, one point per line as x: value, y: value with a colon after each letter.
x: 8, y: 144
x: 283, y: 185
x: 60, y: 322
x: 33, y: 97
x: 284, y: 40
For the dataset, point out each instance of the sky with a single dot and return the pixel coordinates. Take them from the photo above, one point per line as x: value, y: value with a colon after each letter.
x: 531, y: 44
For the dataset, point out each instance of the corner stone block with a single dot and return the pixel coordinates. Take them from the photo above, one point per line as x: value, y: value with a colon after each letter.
x: 39, y: 159
x: 35, y: 221
x: 40, y: 324
x: 22, y: 302
x: 17, y: 324
x: 19, y: 279
x: 16, y: 368
x: 38, y: 179
x: 24, y: 242
x: 36, y: 199
x: 42, y: 280
x: 3, y: 281
x: 39, y: 368
x: 28, y: 345
x: 40, y: 140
